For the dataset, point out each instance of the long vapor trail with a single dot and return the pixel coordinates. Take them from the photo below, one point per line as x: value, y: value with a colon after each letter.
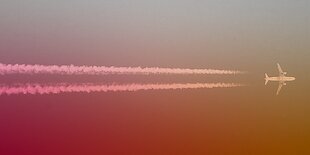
x: 87, y: 88
x: 102, y: 70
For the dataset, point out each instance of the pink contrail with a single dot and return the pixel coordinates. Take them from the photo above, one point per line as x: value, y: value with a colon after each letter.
x: 87, y: 88
x: 101, y: 70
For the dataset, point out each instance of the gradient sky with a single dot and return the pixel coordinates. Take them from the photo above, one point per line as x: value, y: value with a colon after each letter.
x: 155, y: 33
x: 246, y: 35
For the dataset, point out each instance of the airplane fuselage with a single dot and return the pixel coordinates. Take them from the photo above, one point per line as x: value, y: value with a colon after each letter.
x: 282, y: 79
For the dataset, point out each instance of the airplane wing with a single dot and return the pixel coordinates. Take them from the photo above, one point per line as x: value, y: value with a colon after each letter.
x: 280, y: 86
x: 281, y: 73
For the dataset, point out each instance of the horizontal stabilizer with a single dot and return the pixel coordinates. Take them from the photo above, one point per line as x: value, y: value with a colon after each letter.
x: 266, y: 79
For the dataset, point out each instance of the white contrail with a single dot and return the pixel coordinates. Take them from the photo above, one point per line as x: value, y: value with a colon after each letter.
x: 87, y: 88
x: 101, y: 70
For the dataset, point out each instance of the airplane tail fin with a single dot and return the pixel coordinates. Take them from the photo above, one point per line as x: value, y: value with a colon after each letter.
x: 266, y: 79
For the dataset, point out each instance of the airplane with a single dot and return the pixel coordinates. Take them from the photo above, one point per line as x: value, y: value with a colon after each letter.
x: 281, y: 78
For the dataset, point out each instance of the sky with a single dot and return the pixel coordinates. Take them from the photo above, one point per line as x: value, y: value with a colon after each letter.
x: 245, y: 35
x: 155, y: 33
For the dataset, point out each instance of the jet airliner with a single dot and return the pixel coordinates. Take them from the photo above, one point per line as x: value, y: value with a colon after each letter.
x: 281, y: 78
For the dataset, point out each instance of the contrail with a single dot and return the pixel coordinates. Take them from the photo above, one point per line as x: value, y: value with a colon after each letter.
x: 102, y: 70
x: 88, y: 88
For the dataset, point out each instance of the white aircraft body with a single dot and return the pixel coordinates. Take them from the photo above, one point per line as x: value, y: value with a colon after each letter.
x: 281, y: 78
